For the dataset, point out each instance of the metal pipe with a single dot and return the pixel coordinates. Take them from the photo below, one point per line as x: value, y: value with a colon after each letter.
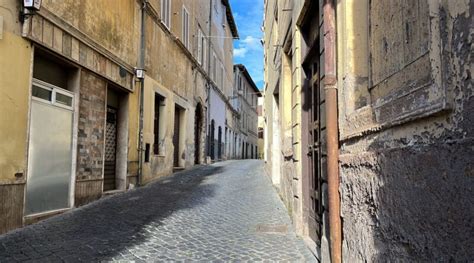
x: 330, y: 86
x: 141, y: 63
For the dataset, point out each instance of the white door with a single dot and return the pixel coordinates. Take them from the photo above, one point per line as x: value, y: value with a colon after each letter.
x: 50, y: 149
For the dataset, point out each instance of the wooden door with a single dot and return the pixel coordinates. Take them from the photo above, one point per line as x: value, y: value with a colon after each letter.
x: 315, y: 127
x: 197, y: 134
x: 177, y: 125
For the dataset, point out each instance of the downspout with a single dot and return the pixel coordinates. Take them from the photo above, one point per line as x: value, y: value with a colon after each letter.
x: 330, y: 86
x: 208, y: 88
x: 141, y: 65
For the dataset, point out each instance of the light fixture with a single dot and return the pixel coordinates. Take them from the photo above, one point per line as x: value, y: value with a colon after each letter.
x: 33, y: 5
x: 29, y: 9
x: 139, y: 73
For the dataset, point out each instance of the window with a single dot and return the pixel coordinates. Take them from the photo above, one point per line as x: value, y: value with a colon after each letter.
x: 48, y: 93
x: 166, y: 13
x: 224, y: 16
x: 185, y: 29
x: 147, y: 153
x: 200, y: 46
x: 214, y: 67
x: 260, y: 133
x: 204, y: 52
x: 159, y: 111
x: 222, y: 77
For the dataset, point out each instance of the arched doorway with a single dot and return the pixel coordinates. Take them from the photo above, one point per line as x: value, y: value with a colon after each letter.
x: 197, y: 133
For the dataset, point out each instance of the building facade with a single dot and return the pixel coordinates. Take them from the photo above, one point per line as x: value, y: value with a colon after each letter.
x: 260, y: 128
x: 80, y: 120
x: 368, y: 146
x: 245, y: 99
x: 223, y: 33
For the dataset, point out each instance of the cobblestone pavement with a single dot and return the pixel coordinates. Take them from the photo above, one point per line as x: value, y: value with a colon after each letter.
x: 222, y: 212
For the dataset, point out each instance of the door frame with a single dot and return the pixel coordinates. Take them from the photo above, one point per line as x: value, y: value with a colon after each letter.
x: 74, y: 128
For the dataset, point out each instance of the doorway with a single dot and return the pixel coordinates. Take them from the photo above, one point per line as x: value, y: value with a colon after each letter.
x: 197, y: 133
x: 178, y: 112
x: 315, y: 129
x: 50, y: 149
x: 211, y: 139
x: 276, y: 140
x: 110, y: 149
x: 219, y: 143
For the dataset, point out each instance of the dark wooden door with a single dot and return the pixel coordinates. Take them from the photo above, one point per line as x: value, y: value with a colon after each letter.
x: 219, y: 143
x: 110, y: 149
x: 197, y: 135
x: 211, y: 140
x: 177, y: 125
x: 314, y: 153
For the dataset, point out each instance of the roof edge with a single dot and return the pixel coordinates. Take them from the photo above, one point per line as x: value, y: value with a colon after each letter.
x: 249, y: 78
x: 230, y: 19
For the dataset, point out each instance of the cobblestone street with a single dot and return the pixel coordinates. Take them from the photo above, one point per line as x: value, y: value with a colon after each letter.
x: 223, y: 212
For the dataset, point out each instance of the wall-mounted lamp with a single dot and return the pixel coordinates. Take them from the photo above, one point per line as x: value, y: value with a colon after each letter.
x: 30, y: 7
x: 139, y: 73
x: 34, y: 5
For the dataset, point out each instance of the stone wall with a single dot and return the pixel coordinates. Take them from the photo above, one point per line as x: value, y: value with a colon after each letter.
x: 91, y: 135
x: 406, y: 161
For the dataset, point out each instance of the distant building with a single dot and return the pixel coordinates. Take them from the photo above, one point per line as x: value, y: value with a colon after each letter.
x: 369, y: 116
x: 244, y: 100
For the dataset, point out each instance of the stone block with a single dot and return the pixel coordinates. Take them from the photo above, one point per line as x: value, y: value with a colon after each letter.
x: 47, y: 33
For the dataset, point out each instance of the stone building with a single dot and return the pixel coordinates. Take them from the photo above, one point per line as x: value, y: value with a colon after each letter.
x: 260, y: 128
x: 372, y: 148
x: 221, y: 37
x: 101, y: 96
x: 188, y: 78
x: 245, y: 98
x: 68, y: 88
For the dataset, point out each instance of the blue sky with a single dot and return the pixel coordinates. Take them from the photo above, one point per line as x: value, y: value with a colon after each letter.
x: 248, y: 15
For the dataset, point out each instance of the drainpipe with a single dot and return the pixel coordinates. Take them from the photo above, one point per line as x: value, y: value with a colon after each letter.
x: 208, y: 120
x: 330, y: 86
x: 141, y: 65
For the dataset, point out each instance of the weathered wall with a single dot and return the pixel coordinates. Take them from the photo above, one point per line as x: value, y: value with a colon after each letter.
x: 91, y: 138
x: 406, y: 161
x: 14, y: 103
x: 112, y: 24
x: 283, y: 72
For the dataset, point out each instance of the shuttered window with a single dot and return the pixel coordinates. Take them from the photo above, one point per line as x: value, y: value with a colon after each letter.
x: 166, y: 13
x: 200, y: 40
x: 159, y: 111
x: 185, y: 29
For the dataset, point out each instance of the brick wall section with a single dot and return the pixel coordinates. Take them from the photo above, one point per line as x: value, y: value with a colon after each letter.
x: 91, y: 127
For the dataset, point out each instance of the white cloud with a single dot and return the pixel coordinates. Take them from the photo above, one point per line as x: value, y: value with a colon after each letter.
x: 251, y: 42
x: 240, y: 52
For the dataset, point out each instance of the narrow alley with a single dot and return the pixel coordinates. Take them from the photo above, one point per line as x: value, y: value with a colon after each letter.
x: 227, y: 211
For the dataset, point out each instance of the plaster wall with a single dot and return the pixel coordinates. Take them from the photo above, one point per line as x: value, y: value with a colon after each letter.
x: 112, y: 24
x: 15, y: 58
x: 406, y: 170
x: 16, y: 55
